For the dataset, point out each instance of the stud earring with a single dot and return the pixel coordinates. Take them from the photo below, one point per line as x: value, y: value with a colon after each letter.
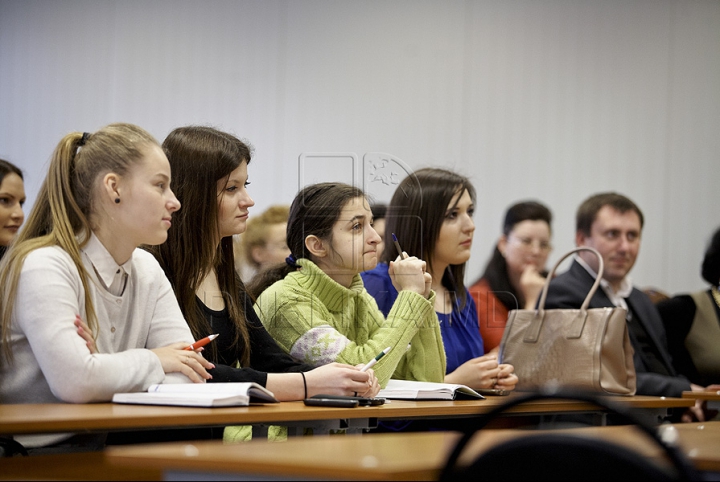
x: 117, y: 200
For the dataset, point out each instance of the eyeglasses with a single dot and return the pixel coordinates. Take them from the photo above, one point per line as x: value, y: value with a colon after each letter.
x: 529, y: 243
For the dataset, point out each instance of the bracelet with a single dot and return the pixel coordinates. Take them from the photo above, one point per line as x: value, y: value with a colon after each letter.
x: 304, y: 383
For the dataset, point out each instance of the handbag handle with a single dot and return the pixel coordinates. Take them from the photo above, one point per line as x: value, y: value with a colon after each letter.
x: 586, y: 303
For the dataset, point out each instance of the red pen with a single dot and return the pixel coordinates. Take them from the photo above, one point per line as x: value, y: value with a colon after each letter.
x: 201, y: 343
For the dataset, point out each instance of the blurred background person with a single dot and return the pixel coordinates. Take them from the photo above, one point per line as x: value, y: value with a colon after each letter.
x: 12, y: 198
x: 515, y: 274
x: 692, y: 323
x: 263, y: 244
x: 656, y: 295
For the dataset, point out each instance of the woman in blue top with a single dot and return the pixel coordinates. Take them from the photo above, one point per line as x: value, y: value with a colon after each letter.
x: 431, y: 215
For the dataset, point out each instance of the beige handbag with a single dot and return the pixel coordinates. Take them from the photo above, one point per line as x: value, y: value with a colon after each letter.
x: 582, y: 348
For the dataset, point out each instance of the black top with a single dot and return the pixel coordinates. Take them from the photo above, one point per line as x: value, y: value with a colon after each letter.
x: 265, y: 354
x: 678, y: 314
x: 641, y: 342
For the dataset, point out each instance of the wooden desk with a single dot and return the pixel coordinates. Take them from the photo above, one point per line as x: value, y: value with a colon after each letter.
x: 75, y: 466
x: 712, y: 398
x: 399, y: 456
x: 47, y: 418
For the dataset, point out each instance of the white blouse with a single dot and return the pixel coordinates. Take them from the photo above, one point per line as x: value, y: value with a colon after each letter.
x: 51, y: 362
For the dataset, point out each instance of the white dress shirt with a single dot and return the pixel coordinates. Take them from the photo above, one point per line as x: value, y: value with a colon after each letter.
x: 617, y: 298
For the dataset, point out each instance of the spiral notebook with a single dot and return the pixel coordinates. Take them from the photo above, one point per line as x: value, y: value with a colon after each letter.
x: 200, y: 395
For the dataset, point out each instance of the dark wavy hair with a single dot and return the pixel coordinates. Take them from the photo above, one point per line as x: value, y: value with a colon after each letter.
x: 416, y: 214
x: 6, y: 168
x: 496, y: 271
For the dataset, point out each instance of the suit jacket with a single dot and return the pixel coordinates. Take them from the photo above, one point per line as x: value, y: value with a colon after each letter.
x: 569, y: 290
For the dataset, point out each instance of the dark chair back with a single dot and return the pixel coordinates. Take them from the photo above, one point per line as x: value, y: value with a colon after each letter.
x: 10, y: 448
x: 563, y: 456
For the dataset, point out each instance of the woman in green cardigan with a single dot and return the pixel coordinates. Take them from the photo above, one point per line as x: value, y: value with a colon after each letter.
x: 316, y: 307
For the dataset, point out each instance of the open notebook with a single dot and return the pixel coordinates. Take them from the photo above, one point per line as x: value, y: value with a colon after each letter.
x: 410, y: 390
x: 200, y: 395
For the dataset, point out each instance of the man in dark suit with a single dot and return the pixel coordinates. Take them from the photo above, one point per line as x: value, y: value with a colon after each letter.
x: 612, y: 224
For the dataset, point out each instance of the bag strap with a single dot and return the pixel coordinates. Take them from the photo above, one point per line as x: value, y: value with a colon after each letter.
x: 551, y: 274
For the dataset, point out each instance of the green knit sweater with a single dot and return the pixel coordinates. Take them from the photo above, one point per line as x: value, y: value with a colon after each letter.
x: 320, y: 321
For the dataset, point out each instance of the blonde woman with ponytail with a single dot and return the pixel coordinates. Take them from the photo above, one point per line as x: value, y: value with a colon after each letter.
x: 77, y: 261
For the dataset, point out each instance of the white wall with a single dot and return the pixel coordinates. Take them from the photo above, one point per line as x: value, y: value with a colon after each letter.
x: 545, y: 99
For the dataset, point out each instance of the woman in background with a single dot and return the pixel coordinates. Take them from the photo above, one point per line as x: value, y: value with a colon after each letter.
x: 316, y: 306
x: 210, y: 168
x: 692, y: 323
x: 105, y: 194
x: 12, y: 198
x: 431, y: 215
x: 515, y: 274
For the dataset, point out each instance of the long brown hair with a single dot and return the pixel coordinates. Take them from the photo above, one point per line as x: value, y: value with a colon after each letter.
x: 314, y: 211
x: 416, y: 214
x: 200, y: 157
x: 64, y: 211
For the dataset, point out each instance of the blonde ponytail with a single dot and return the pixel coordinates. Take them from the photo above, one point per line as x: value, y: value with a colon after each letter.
x: 61, y: 214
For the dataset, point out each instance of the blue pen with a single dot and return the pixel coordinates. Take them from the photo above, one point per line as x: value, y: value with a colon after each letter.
x: 397, y: 245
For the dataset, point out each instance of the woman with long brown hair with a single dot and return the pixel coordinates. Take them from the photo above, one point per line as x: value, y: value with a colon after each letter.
x: 431, y: 213
x: 210, y: 168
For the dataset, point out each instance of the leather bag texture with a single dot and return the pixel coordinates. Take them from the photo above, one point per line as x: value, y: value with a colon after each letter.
x: 585, y: 349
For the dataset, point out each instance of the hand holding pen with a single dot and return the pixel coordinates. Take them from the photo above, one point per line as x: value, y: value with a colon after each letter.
x: 408, y: 272
x: 371, y: 364
x: 177, y: 358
